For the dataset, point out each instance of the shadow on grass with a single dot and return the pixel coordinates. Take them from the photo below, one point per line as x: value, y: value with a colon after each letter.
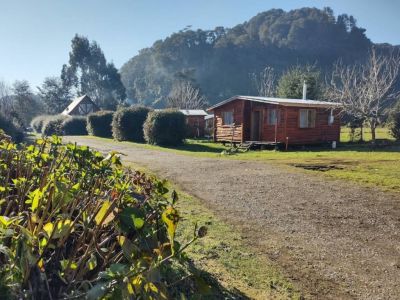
x: 201, y: 285
x: 199, y: 146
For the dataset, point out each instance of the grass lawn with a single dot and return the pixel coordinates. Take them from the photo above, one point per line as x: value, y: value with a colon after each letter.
x: 356, y: 162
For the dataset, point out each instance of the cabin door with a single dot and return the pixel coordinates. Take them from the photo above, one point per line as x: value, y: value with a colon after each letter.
x: 255, y: 125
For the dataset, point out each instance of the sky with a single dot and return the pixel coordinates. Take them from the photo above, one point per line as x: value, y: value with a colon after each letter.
x: 35, y: 35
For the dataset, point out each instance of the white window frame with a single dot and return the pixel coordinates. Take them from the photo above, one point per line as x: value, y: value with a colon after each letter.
x: 272, y: 116
x: 227, y: 117
x: 310, y: 115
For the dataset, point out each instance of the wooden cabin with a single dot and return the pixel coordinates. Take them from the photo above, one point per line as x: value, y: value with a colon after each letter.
x: 264, y: 120
x: 195, y: 122
x: 81, y: 106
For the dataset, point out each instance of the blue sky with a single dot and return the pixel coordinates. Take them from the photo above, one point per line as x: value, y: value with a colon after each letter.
x: 35, y: 35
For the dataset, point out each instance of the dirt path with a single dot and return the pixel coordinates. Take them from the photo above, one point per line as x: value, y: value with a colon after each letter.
x: 333, y: 239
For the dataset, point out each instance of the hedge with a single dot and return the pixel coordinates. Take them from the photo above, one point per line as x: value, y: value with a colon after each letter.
x: 127, y: 124
x: 166, y: 128
x: 11, y: 129
x: 52, y: 125
x: 37, y: 123
x: 75, y: 125
x: 99, y: 123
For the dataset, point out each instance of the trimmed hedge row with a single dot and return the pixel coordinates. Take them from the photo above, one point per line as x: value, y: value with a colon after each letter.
x: 165, y: 128
x: 99, y: 123
x: 127, y: 124
x: 75, y: 125
x: 53, y: 125
x: 60, y: 125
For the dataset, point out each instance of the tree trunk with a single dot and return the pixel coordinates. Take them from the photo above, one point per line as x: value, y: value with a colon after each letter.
x: 373, y: 131
x: 361, y: 133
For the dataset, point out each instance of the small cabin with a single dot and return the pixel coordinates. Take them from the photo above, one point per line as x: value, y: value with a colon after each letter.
x: 195, y: 122
x: 81, y: 106
x: 265, y: 120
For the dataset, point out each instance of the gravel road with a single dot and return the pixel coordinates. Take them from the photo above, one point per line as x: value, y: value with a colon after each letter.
x: 333, y: 239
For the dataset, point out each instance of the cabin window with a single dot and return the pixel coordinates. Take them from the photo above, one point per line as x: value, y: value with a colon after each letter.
x: 307, y: 118
x: 272, y: 116
x: 227, y: 117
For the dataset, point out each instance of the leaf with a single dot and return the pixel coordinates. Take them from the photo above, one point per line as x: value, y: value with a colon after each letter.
x: 170, y: 217
x: 97, y: 291
x: 35, y: 197
x: 63, y: 227
x: 138, y: 222
x: 131, y: 218
x: 5, y: 221
x: 102, y: 213
x: 92, y: 262
x: 128, y: 248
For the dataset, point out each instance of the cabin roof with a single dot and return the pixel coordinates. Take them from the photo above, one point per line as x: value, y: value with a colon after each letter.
x: 75, y: 103
x: 280, y: 101
x: 210, y: 116
x: 193, y: 112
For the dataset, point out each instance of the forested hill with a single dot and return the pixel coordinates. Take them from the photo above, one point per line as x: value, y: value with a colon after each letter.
x: 220, y: 61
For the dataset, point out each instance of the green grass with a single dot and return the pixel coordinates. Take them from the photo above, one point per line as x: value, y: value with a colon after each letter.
x: 356, y: 162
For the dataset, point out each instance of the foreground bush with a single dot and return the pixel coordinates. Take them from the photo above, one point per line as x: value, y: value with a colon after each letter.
x: 52, y: 125
x: 127, y: 124
x: 74, y: 125
x: 11, y: 129
x: 74, y: 224
x: 37, y: 123
x: 166, y: 128
x: 99, y: 123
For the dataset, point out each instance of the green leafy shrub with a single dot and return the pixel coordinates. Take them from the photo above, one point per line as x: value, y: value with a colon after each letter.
x: 99, y: 123
x: 14, y: 131
x: 75, y: 125
x: 75, y: 224
x: 52, y: 125
x: 395, y: 122
x: 166, y: 128
x: 37, y: 123
x: 127, y: 124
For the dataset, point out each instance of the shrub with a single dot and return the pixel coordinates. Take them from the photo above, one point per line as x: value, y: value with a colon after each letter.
x: 127, y: 124
x: 75, y: 125
x: 99, y: 123
x: 52, y: 125
x: 37, y: 123
x: 166, y: 127
x: 395, y: 122
x: 82, y: 227
x: 9, y: 128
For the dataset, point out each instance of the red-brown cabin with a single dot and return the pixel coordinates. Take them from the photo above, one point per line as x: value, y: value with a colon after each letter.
x: 195, y: 122
x: 242, y: 119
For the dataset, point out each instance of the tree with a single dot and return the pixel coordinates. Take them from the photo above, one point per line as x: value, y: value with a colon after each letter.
x: 55, y: 95
x: 291, y: 83
x: 366, y: 90
x: 89, y: 73
x: 265, y: 82
x: 6, y: 104
x: 25, y: 104
x: 185, y: 96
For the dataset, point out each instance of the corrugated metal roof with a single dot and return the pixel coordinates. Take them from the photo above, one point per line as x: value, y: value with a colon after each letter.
x: 193, y: 112
x: 280, y: 101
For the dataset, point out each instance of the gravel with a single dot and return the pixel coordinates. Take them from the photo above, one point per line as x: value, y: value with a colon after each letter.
x: 333, y: 239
